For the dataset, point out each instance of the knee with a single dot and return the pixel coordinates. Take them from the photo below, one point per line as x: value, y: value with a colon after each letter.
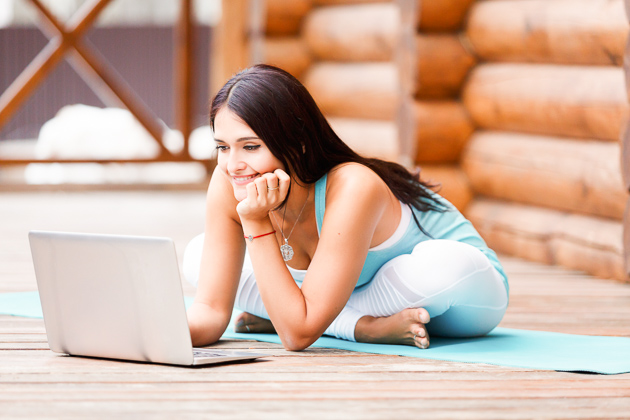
x: 435, y: 265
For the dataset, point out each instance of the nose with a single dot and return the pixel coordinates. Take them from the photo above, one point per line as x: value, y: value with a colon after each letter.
x: 235, y: 163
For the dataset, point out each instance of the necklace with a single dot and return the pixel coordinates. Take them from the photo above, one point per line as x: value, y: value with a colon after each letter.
x: 286, y: 249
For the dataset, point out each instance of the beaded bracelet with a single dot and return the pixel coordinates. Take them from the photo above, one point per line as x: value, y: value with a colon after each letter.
x: 251, y: 238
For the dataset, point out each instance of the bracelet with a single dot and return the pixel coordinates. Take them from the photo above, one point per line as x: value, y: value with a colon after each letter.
x: 251, y: 238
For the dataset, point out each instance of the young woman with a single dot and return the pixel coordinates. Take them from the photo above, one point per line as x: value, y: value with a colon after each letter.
x: 309, y: 238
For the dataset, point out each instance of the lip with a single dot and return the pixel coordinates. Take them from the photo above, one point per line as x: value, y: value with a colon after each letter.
x: 243, y: 179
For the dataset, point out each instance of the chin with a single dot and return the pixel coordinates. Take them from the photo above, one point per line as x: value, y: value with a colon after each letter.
x: 240, y: 195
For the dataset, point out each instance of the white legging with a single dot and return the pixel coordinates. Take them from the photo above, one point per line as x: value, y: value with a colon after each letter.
x: 455, y: 282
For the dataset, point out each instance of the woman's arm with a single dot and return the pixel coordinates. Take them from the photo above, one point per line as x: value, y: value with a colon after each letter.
x: 355, y: 203
x: 221, y: 265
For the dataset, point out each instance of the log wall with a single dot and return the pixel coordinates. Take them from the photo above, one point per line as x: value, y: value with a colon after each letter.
x: 550, y: 104
x: 519, y: 109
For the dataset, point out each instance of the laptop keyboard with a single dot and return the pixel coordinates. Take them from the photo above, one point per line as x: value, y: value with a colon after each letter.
x: 207, y: 353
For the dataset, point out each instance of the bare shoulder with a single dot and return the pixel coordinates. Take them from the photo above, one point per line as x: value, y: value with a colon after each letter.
x: 220, y: 198
x: 352, y: 179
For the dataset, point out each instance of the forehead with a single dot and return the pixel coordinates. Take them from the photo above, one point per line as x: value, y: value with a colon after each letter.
x: 229, y: 126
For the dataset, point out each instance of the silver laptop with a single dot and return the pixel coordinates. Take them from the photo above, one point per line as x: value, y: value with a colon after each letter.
x: 117, y: 297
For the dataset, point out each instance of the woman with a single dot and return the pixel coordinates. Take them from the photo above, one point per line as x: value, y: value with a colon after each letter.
x: 309, y: 238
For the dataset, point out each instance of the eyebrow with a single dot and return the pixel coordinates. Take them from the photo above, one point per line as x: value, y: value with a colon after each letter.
x: 239, y: 140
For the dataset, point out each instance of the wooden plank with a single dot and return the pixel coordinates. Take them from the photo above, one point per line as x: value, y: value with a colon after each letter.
x: 35, y: 382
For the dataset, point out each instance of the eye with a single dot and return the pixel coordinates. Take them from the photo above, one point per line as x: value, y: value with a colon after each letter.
x: 221, y: 148
x: 251, y: 147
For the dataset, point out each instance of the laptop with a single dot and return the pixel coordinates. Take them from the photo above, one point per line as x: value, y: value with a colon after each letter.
x: 116, y: 297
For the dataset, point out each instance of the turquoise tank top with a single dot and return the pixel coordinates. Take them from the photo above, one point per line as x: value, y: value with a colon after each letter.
x: 451, y: 225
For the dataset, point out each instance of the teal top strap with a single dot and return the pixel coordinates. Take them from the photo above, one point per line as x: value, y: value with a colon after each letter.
x: 320, y: 202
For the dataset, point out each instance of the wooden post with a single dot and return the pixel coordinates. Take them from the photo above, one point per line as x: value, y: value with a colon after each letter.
x: 626, y: 240
x: 50, y: 56
x: 230, y: 51
x: 625, y: 155
x: 405, y: 57
x: 184, y: 64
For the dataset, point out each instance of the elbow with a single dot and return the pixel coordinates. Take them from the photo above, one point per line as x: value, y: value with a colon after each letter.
x: 293, y: 342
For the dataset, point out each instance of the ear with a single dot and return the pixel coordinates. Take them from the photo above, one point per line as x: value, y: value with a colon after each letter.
x: 303, y: 148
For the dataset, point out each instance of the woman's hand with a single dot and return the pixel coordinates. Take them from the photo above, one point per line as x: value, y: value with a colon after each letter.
x: 264, y: 194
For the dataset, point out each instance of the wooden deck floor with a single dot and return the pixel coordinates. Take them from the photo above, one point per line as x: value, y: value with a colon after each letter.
x: 316, y: 383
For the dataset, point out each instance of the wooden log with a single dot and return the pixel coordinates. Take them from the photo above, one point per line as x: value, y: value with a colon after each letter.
x: 288, y: 53
x: 352, y: 90
x: 443, y: 64
x: 600, y: 253
x: 575, y: 101
x: 586, y: 243
x: 566, y: 174
x: 550, y: 31
x: 341, y: 2
x: 442, y: 15
x: 284, y: 17
x: 432, y: 15
x: 442, y: 130
x: 364, y: 32
x: 369, y: 138
x: 515, y: 229
x: 453, y: 183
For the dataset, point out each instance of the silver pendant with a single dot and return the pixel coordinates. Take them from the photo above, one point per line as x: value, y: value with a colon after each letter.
x: 286, y: 250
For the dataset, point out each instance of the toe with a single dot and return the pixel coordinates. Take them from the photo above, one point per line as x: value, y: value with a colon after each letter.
x: 423, y: 316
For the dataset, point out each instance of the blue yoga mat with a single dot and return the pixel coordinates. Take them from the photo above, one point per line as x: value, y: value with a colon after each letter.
x: 503, y: 346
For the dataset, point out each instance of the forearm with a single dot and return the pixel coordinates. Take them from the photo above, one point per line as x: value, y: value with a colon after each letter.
x: 206, y: 325
x: 283, y: 299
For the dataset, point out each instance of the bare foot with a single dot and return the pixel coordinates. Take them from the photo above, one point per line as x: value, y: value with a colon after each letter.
x: 405, y: 327
x: 248, y: 323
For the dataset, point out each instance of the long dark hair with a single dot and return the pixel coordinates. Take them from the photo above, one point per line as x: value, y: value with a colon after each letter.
x: 279, y: 109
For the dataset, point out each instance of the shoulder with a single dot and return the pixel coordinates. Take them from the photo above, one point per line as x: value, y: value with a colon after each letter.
x: 220, y: 196
x: 355, y: 183
x: 354, y: 175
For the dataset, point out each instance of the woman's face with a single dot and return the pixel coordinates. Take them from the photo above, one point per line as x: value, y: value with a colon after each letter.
x: 241, y: 154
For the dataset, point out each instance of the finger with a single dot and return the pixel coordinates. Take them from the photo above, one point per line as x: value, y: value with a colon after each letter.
x: 261, y: 186
x: 272, y: 181
x: 284, y: 181
x: 252, y: 192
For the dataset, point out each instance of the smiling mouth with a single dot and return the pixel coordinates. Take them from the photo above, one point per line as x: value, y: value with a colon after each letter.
x: 243, y: 179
